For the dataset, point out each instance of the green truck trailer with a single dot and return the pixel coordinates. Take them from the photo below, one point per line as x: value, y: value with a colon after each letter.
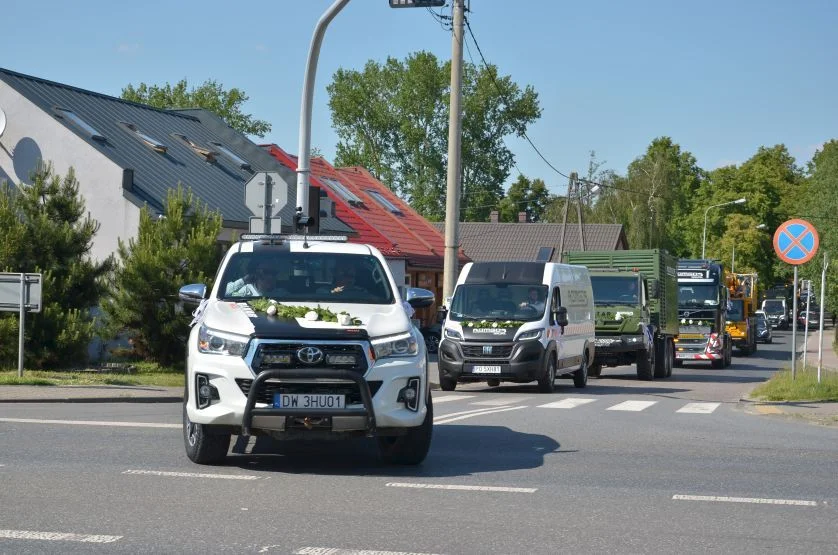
x: 636, y: 304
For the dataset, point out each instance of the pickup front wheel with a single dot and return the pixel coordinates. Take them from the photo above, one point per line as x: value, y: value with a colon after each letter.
x: 412, y: 447
x: 203, y: 445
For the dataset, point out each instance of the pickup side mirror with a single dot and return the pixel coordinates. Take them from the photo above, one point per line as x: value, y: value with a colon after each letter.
x: 654, y: 288
x: 419, y: 298
x: 560, y: 316
x: 192, y: 294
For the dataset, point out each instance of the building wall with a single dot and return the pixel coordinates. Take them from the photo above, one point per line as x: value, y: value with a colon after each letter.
x: 33, y: 135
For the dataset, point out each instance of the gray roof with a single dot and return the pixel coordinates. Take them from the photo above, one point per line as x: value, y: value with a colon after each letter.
x: 219, y: 184
x: 483, y: 241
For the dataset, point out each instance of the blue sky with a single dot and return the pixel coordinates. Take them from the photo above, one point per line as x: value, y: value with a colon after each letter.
x: 720, y: 77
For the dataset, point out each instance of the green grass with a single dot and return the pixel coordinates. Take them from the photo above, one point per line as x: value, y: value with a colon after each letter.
x: 144, y: 373
x: 804, y: 387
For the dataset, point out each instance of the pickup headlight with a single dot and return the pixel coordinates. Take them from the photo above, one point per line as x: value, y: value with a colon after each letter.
x: 215, y: 342
x: 401, y: 345
x: 530, y: 334
x: 453, y: 334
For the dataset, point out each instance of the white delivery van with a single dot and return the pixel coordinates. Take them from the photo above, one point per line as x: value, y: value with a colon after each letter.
x: 518, y: 322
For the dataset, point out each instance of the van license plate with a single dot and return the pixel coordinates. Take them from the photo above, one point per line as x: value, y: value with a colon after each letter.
x: 308, y: 401
x: 482, y: 369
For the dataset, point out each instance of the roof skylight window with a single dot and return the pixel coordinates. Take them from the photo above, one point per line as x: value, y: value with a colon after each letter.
x: 235, y: 158
x: 196, y: 148
x: 151, y: 142
x: 341, y: 190
x: 544, y: 254
x: 74, y: 118
x: 382, y: 200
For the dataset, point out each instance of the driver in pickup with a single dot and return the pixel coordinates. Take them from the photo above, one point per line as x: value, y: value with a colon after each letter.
x: 534, y: 300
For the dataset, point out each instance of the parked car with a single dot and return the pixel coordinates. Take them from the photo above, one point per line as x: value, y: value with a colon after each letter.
x: 813, y: 317
x: 764, y: 334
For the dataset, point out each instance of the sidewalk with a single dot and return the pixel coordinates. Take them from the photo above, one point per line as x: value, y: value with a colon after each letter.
x: 89, y: 394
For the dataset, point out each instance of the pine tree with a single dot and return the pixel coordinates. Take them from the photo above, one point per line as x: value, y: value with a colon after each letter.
x: 47, y: 231
x: 171, y: 250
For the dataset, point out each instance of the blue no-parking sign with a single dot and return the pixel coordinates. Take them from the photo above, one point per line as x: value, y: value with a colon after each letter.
x: 796, y: 241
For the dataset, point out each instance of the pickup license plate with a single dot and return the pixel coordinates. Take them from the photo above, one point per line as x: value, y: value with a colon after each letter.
x: 310, y: 401
x: 483, y: 369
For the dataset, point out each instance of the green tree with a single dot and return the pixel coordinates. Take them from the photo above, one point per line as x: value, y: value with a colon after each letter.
x: 392, y: 118
x: 525, y: 195
x: 177, y: 248
x: 210, y: 95
x: 47, y: 231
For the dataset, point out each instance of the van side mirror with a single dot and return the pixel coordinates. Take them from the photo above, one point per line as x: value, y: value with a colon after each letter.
x: 654, y: 288
x: 560, y: 316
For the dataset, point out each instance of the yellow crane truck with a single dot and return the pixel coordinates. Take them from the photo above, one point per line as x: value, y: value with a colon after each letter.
x: 741, y: 323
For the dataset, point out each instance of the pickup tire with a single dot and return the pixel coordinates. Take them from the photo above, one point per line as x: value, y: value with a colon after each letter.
x: 646, y: 364
x: 203, y: 444
x: 412, y: 447
x: 547, y: 382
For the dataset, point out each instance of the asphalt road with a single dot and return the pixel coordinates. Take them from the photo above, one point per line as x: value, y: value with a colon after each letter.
x: 622, y: 466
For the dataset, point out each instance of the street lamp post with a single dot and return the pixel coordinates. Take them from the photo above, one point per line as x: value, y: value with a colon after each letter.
x: 704, y: 235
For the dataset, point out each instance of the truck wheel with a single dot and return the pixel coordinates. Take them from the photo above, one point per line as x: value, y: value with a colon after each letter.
x: 717, y: 364
x: 646, y: 364
x: 203, y: 444
x: 447, y: 384
x: 670, y: 357
x: 594, y: 370
x: 580, y: 377
x: 547, y: 382
x: 660, y: 358
x: 413, y: 446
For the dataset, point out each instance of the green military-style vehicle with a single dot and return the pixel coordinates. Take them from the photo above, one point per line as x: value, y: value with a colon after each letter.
x: 636, y: 304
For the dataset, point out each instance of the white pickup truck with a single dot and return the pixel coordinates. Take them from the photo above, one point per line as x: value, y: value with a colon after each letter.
x: 305, y: 336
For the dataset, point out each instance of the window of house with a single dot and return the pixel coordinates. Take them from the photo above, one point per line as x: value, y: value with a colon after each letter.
x: 544, y: 254
x: 208, y: 154
x: 382, y: 200
x: 341, y: 190
x: 235, y: 158
x: 79, y: 123
x: 150, y: 142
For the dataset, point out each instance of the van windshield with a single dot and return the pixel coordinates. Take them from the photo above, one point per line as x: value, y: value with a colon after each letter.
x: 499, y: 301
x: 773, y: 307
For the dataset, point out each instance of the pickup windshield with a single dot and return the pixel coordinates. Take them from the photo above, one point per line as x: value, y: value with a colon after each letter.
x: 499, y: 301
x: 306, y: 277
x: 612, y: 290
x: 694, y: 294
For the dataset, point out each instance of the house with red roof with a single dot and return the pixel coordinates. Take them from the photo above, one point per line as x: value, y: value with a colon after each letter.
x: 413, y: 247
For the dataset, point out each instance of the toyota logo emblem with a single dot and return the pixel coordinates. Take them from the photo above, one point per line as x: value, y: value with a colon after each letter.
x: 310, y: 355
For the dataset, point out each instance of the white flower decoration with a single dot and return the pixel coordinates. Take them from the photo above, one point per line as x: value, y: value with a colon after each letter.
x: 495, y: 324
x: 311, y: 315
x: 271, y: 310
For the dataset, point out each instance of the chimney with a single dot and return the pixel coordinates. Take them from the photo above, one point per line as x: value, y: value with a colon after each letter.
x: 493, y: 217
x: 522, y: 217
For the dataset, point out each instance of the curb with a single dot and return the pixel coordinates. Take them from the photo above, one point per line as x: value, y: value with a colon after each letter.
x: 122, y: 399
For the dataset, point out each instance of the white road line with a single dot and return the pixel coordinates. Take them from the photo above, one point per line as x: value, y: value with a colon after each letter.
x: 460, y: 488
x: 56, y: 536
x: 447, y: 398
x: 633, y: 406
x: 338, y: 551
x: 501, y: 401
x: 569, y: 403
x: 446, y: 420
x: 92, y: 423
x: 756, y: 500
x: 471, y: 411
x: 193, y: 475
x: 699, y: 408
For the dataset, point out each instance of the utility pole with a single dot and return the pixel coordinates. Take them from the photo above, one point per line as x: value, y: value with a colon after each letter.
x: 579, y: 214
x: 452, y: 199
x: 571, y: 183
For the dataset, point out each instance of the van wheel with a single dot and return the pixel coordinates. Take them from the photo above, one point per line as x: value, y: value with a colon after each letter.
x: 494, y: 382
x: 580, y: 377
x: 646, y: 364
x: 413, y: 446
x: 203, y: 445
x: 547, y: 382
x: 447, y: 384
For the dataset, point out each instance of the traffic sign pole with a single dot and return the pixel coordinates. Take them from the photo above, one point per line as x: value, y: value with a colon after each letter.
x: 794, y: 328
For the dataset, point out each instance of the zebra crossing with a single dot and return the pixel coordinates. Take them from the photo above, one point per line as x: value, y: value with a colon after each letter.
x: 569, y: 403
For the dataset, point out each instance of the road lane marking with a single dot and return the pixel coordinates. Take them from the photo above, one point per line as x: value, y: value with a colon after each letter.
x: 699, y: 408
x: 193, y: 475
x: 569, y: 403
x: 56, y: 536
x: 470, y: 411
x: 460, y: 487
x: 338, y: 551
x: 755, y: 500
x: 500, y: 401
x: 446, y: 419
x: 92, y: 423
x: 447, y: 398
x: 633, y: 406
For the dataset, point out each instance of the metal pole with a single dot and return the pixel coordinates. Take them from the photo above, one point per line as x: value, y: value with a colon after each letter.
x: 304, y: 153
x: 22, y: 322
x: 452, y: 198
x: 806, y: 328
x: 733, y: 260
x: 820, y: 329
x: 579, y: 215
x: 794, y: 327
x: 570, y: 184
x: 266, y: 209
x: 704, y: 234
